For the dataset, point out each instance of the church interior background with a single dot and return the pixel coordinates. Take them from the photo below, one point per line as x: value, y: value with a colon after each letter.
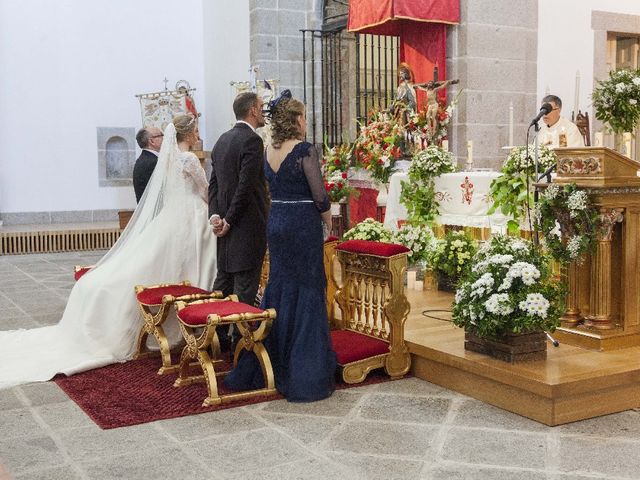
x: 79, y: 78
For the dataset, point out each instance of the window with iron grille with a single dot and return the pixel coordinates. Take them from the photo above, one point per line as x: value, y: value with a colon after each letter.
x: 346, y: 75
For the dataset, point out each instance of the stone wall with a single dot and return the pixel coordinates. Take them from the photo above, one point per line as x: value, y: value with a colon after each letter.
x: 493, y: 51
x: 276, y: 40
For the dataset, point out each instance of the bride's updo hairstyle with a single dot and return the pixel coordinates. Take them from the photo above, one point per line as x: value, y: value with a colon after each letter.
x: 185, y: 124
x: 284, y: 121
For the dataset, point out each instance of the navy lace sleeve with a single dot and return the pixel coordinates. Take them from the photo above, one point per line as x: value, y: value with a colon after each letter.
x: 311, y: 168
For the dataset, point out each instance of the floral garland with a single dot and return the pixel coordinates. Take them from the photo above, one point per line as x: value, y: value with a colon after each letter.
x: 369, y: 229
x: 568, y: 222
x: 509, y: 289
x: 509, y: 190
x: 418, y: 194
x: 617, y: 100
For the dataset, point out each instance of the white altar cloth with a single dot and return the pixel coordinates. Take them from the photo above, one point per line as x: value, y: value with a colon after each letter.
x: 463, y: 197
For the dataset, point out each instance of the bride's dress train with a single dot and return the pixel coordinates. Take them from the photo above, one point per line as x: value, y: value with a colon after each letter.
x: 168, y: 240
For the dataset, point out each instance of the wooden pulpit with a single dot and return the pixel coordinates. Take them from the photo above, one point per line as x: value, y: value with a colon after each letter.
x: 603, y: 304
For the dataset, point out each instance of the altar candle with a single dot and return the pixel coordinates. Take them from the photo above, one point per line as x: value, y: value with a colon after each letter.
x: 411, y: 280
x: 445, y: 145
x: 419, y: 285
x: 470, y: 152
x: 599, y: 139
x: 510, y: 124
x: 627, y: 143
x: 577, y: 99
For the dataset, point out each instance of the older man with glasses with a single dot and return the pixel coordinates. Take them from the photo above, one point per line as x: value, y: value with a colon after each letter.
x: 149, y: 140
x: 557, y: 131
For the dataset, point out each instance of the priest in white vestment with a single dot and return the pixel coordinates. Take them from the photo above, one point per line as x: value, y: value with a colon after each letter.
x: 554, y: 125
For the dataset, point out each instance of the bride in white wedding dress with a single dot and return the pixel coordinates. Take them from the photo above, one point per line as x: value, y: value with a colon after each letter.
x: 167, y: 240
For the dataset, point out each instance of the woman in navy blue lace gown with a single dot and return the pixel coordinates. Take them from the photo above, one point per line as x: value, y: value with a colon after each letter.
x: 299, y: 344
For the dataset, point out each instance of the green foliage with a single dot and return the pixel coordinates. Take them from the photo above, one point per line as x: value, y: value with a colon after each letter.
x: 418, y: 194
x: 509, y: 191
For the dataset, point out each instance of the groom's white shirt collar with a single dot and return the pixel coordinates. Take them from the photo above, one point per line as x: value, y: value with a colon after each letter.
x: 246, y: 123
x: 152, y: 151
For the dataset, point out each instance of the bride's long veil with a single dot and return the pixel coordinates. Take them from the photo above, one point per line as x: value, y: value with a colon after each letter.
x: 162, y: 187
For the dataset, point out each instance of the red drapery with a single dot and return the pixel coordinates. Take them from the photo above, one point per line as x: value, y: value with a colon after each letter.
x: 421, y: 26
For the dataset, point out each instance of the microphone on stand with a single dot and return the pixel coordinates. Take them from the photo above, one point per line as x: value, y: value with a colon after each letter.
x: 547, y: 173
x: 544, y: 110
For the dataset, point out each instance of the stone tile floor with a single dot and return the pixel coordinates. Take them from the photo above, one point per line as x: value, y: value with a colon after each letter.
x: 409, y: 429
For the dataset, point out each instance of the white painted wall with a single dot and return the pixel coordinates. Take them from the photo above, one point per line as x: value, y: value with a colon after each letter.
x: 565, y: 46
x: 69, y: 66
x: 226, y: 39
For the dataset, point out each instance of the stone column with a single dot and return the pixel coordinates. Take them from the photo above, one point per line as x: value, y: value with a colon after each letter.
x: 276, y: 40
x: 493, y: 51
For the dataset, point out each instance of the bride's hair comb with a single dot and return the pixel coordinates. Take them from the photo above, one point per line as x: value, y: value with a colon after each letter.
x: 276, y: 101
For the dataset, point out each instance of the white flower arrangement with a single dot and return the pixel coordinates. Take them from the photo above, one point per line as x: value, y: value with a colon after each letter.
x: 419, y: 239
x: 616, y: 100
x: 509, y: 290
x: 369, y: 229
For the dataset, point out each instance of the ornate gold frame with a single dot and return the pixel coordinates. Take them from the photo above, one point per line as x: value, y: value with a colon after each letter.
x: 373, y: 303
x: 154, y: 317
x: 201, y: 339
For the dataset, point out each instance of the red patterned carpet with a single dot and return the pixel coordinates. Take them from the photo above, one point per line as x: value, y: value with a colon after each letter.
x: 131, y: 393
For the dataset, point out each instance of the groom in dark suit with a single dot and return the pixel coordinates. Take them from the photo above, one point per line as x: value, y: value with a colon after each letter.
x: 238, y: 201
x: 149, y: 140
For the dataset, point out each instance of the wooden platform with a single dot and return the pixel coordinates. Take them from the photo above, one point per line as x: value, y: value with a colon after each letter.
x: 572, y: 384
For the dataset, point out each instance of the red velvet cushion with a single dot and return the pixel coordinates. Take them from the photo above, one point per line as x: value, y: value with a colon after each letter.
x: 197, y: 314
x: 153, y: 296
x: 351, y: 346
x: 81, y: 271
x: 367, y: 247
x: 331, y: 238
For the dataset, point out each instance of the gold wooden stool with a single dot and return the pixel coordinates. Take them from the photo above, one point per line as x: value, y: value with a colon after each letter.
x: 80, y: 270
x: 374, y: 309
x: 198, y: 322
x: 155, y: 304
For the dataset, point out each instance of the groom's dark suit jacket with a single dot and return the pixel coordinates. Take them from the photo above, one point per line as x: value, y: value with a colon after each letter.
x: 238, y: 193
x: 142, y: 171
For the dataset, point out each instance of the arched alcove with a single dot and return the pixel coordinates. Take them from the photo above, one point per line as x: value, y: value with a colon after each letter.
x: 118, y: 166
x: 116, y: 156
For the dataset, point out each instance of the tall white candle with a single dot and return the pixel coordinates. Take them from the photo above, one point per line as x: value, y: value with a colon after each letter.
x: 576, y: 107
x: 445, y: 145
x: 411, y: 279
x: 470, y: 152
x: 510, y: 124
x: 599, y: 140
x: 627, y: 143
